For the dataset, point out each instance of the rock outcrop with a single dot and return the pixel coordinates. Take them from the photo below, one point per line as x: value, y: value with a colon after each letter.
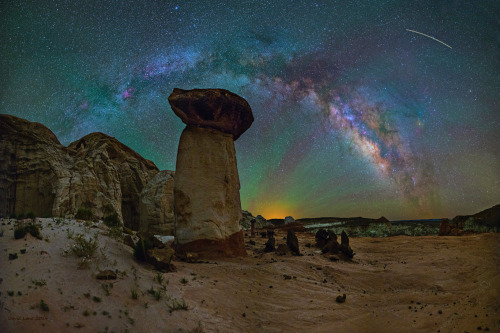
x: 96, y: 173
x: 207, y: 203
x: 156, y: 205
x: 292, y: 242
x: 270, y: 245
x: 289, y: 219
x: 246, y: 219
x: 487, y: 220
x: 345, y: 248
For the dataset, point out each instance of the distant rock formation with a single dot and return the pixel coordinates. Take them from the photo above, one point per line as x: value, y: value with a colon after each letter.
x: 207, y: 203
x: 156, y: 205
x: 96, y: 173
x: 289, y: 219
x: 246, y: 219
x: 487, y: 220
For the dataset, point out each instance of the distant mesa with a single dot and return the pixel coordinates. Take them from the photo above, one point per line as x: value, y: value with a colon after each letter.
x: 207, y: 203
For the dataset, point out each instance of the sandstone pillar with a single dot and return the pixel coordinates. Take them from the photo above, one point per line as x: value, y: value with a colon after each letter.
x: 207, y: 207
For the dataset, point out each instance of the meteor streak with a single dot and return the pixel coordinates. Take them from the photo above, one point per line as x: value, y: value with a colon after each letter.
x: 437, y: 40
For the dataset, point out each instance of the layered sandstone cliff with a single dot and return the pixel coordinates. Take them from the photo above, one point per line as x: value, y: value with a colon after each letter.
x: 97, y: 173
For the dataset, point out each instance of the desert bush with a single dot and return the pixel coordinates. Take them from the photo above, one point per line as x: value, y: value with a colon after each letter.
x: 83, y: 247
x: 21, y: 230
x: 12, y: 256
x: 84, y: 214
x: 21, y: 216
x: 141, y: 248
x: 177, y: 305
x: 112, y: 220
x: 30, y: 215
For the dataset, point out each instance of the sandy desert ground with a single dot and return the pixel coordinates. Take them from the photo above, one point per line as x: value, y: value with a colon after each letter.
x: 395, y: 284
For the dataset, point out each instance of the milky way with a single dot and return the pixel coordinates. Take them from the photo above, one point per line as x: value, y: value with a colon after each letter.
x: 354, y: 114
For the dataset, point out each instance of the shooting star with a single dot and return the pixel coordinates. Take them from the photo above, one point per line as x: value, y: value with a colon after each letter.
x: 437, y: 40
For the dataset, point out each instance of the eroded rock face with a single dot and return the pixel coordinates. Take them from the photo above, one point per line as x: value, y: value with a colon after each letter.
x: 156, y: 205
x: 97, y: 172
x: 207, y: 203
x: 30, y: 155
x: 219, y: 109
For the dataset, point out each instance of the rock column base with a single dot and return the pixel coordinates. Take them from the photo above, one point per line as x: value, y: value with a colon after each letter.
x: 232, y: 246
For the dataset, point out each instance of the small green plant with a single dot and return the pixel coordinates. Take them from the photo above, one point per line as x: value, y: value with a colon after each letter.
x: 1, y: 232
x: 85, y: 248
x: 105, y: 313
x: 157, y: 294
x: 159, y: 277
x: 86, y: 313
x: 141, y: 248
x: 23, y: 251
x: 84, y: 214
x: 70, y: 233
x: 87, y: 295
x: 12, y: 256
x: 96, y: 299
x: 19, y: 293
x: 107, y: 288
x: 44, y: 306
x: 10, y: 292
x: 184, y: 281
x: 30, y: 215
x: 133, y: 292
x: 21, y: 216
x: 178, y: 305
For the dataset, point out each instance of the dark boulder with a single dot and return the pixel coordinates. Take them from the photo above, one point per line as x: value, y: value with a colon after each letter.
x: 321, y: 238
x: 292, y: 242
x: 344, y: 245
x: 282, y: 250
x: 270, y: 245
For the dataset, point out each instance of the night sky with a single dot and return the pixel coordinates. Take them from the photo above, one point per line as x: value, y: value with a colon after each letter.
x: 355, y: 115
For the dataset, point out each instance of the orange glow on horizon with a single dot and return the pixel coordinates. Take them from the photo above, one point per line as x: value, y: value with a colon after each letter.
x: 276, y: 211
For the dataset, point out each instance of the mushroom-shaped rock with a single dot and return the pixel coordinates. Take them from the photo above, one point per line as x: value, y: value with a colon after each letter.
x: 219, y: 109
x: 207, y: 206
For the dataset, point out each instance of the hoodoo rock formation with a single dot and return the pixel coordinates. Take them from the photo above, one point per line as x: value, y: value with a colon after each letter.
x: 207, y: 203
x: 96, y: 173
